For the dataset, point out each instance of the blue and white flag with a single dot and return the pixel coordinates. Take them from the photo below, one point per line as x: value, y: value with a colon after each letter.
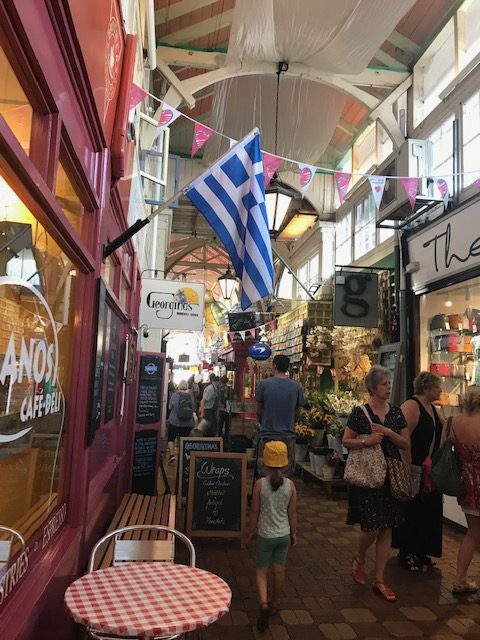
x: 231, y: 196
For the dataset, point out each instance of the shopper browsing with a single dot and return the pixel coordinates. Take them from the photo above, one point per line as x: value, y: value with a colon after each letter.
x: 274, y: 517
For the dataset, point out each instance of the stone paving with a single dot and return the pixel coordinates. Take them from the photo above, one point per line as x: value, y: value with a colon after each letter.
x: 322, y: 601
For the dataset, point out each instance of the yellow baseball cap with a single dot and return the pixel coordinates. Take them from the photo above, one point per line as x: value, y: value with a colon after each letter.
x: 275, y: 454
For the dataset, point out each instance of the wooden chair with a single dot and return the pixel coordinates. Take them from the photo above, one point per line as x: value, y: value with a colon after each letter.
x: 142, y: 550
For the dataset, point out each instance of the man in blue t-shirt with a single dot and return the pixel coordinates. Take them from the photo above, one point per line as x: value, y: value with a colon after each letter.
x: 278, y: 402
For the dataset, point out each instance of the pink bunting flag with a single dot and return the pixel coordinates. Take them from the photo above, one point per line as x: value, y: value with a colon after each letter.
x: 442, y: 186
x: 252, y: 332
x: 231, y: 335
x: 342, y: 180
x: 201, y: 134
x: 242, y: 335
x: 307, y: 173
x: 270, y: 165
x: 168, y: 116
x: 137, y: 94
x: 411, y: 187
x: 378, y: 187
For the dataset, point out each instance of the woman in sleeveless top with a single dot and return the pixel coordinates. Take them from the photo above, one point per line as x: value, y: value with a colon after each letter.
x: 465, y: 433
x: 421, y: 534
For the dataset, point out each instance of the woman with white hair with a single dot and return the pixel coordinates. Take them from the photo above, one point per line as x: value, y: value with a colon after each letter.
x: 376, y: 510
x: 181, y: 419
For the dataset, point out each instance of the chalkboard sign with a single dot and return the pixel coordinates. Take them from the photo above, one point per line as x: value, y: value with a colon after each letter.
x: 112, y: 365
x: 149, y: 395
x: 188, y: 446
x: 144, y: 472
x: 97, y: 382
x: 217, y: 495
x: 390, y: 357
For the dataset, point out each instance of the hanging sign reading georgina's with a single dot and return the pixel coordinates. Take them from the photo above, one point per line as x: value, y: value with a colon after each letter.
x: 169, y: 304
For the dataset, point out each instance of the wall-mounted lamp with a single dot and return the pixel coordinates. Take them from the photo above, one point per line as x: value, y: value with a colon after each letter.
x: 146, y: 330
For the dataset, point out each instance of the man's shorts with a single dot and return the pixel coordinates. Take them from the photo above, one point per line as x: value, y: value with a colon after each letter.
x: 271, y: 549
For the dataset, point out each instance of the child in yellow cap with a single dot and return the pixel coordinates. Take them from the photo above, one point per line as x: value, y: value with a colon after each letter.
x: 274, y: 517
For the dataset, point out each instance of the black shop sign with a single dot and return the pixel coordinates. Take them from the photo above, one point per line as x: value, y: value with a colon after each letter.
x: 144, y: 471
x: 356, y: 299
x: 149, y: 396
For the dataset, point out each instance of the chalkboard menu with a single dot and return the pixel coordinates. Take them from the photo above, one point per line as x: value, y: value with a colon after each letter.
x: 112, y: 366
x: 187, y: 447
x: 389, y: 356
x: 217, y: 495
x: 144, y: 472
x: 97, y: 382
x: 149, y: 396
x: 241, y: 321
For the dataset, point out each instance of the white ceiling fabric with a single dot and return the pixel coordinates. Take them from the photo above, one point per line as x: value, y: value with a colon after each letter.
x: 339, y: 36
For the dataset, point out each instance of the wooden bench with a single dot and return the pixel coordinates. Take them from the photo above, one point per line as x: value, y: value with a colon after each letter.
x: 138, y: 509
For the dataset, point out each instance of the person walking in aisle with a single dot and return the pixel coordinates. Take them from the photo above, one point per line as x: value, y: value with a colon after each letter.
x: 224, y: 396
x: 181, y: 419
x: 279, y: 400
x: 421, y: 535
x: 463, y: 431
x: 376, y: 510
x: 209, y: 405
x: 274, y: 517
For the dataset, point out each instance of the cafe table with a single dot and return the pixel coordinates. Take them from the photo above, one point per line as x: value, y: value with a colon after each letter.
x: 148, y: 599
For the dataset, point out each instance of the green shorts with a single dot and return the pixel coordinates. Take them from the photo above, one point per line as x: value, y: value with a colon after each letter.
x: 272, y: 549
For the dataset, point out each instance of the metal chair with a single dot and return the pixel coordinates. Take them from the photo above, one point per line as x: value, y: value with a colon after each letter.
x: 6, y: 545
x: 140, y: 551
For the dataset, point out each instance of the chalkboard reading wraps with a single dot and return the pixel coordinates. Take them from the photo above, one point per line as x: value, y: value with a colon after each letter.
x: 144, y: 474
x: 149, y: 390
x: 188, y: 446
x: 217, y: 495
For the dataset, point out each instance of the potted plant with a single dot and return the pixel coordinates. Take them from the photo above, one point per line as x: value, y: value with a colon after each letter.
x: 303, y: 437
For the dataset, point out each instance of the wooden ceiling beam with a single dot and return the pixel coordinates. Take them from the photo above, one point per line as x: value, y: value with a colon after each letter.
x: 179, y: 9
x: 200, y: 29
x: 191, y: 58
x: 405, y: 44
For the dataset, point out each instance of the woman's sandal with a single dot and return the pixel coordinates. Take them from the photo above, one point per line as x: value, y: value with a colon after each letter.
x: 468, y: 587
x: 262, y: 621
x: 381, y: 589
x: 358, y: 571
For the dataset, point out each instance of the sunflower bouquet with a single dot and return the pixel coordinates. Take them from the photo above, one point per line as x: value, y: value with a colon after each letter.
x: 303, y: 433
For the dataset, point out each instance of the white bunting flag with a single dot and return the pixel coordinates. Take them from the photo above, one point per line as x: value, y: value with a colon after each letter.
x: 242, y: 335
x: 442, y: 186
x: 378, y: 187
x: 168, y: 115
x: 307, y: 173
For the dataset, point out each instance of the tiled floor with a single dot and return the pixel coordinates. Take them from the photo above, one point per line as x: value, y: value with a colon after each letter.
x: 321, y: 600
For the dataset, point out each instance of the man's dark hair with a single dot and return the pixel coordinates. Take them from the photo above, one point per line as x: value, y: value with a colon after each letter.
x: 281, y: 363
x: 224, y: 379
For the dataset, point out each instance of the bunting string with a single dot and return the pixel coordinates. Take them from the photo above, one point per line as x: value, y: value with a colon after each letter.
x: 342, y: 179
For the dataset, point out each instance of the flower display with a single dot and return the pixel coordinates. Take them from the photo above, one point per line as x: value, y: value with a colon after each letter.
x: 342, y: 402
x: 303, y: 434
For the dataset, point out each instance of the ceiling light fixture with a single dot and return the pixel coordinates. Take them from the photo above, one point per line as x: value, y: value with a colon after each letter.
x: 278, y: 196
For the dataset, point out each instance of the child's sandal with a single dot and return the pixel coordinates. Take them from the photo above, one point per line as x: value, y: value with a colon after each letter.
x: 273, y: 608
x: 262, y: 621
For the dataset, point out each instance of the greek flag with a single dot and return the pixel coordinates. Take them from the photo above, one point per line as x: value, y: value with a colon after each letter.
x: 231, y: 196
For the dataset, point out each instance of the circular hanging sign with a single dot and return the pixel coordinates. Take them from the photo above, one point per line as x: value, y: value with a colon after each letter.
x: 260, y: 351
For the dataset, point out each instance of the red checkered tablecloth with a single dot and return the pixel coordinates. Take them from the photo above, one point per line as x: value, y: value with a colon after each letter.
x: 146, y: 599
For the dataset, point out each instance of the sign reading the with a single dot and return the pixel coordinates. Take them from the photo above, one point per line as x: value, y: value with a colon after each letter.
x: 217, y: 495
x: 169, y: 304
x: 356, y: 299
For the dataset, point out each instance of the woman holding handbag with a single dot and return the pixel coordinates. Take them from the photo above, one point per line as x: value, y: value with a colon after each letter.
x: 375, y: 509
x: 464, y: 433
x: 421, y: 534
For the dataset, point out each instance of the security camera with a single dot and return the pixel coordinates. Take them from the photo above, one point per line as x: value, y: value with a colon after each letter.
x: 146, y: 332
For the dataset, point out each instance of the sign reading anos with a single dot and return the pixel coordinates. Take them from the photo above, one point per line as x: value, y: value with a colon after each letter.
x: 29, y: 370
x: 172, y: 304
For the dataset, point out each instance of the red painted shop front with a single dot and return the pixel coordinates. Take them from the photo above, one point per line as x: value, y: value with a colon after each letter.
x: 66, y: 316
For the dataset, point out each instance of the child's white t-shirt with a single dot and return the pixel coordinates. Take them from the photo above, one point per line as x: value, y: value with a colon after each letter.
x: 273, y: 517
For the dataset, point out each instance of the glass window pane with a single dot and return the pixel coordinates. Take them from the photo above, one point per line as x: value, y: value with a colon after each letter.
x: 442, y: 152
x: 67, y: 198
x: 14, y: 106
x: 471, y: 139
x: 36, y: 334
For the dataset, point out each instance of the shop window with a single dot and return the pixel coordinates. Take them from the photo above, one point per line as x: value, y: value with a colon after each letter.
x: 109, y: 268
x: 308, y: 274
x: 328, y: 253
x: 471, y: 139
x: 14, y: 105
x: 433, y: 72
x: 36, y: 334
x: 343, y: 240
x: 123, y: 293
x: 285, y: 287
x: 68, y: 199
x: 365, y: 227
x: 442, y: 152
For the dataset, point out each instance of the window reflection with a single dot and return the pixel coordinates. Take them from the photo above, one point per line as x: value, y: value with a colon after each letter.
x: 14, y: 106
x: 67, y: 198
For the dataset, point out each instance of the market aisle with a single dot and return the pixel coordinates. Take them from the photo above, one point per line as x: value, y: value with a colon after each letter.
x: 321, y: 601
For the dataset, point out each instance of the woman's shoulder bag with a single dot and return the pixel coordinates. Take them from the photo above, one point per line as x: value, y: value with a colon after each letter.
x: 366, y: 467
x: 446, y: 472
